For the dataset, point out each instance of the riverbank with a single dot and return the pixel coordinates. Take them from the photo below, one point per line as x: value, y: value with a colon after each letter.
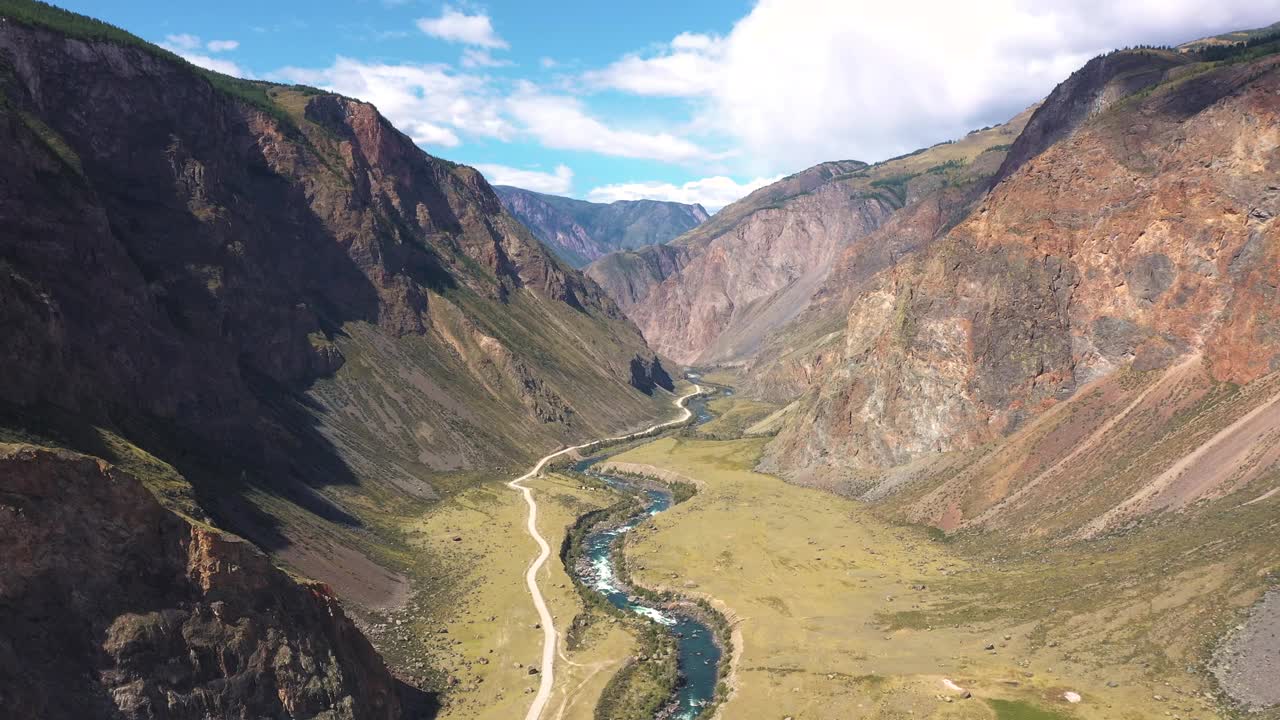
x: 482, y: 634
x: 649, y: 685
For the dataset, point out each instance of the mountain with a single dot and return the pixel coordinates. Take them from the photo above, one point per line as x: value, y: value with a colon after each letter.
x: 282, y: 317
x: 580, y: 231
x: 629, y: 276
x: 1092, y: 344
x: 757, y: 264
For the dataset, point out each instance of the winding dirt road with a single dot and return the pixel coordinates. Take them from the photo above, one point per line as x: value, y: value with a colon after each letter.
x: 531, y: 577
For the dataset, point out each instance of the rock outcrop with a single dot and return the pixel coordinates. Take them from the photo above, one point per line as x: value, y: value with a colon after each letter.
x: 580, y: 231
x: 115, y: 607
x: 1141, y: 240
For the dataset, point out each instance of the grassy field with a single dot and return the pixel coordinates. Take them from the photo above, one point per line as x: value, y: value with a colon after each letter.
x: 734, y: 415
x: 837, y: 609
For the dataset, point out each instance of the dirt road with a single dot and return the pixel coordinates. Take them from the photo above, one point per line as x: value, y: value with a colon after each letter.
x: 549, y: 638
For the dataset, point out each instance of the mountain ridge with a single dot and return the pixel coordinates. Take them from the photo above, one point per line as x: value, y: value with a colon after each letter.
x: 580, y: 231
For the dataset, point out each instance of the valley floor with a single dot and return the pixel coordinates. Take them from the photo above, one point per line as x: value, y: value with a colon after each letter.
x: 832, y: 606
x: 837, y: 611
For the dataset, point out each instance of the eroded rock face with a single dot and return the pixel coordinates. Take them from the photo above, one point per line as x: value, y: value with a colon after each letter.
x: 1113, y: 247
x: 801, y: 351
x: 754, y: 277
x: 115, y: 607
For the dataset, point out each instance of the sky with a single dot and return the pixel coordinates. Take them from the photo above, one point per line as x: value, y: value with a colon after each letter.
x: 692, y: 101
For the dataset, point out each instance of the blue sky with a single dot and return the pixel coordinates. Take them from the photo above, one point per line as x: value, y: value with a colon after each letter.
x: 693, y: 101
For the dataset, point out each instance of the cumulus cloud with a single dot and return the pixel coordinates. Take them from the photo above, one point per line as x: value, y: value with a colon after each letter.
x: 226, y: 67
x: 797, y: 82
x: 477, y: 58
x: 688, y: 66
x: 436, y: 105
x: 181, y: 41
x: 428, y: 102
x: 459, y: 27
x: 562, y: 122
x: 558, y: 182
x: 712, y: 193
x: 192, y: 49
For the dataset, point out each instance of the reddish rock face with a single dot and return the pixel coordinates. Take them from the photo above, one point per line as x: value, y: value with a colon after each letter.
x: 1142, y: 237
x: 740, y: 286
x: 116, y: 607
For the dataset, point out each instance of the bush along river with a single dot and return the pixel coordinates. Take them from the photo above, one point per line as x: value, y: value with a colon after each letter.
x: 693, y: 626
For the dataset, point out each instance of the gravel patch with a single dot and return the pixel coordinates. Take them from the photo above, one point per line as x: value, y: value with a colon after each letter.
x: 1247, y: 662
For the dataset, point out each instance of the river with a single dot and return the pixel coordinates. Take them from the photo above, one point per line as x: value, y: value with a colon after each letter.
x: 698, y: 656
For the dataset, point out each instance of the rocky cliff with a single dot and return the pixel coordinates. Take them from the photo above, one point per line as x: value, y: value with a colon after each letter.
x: 796, y: 353
x: 580, y: 231
x: 115, y: 607
x: 1138, y: 250
x: 755, y: 267
x: 275, y: 292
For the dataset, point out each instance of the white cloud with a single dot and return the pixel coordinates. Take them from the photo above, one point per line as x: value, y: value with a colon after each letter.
x: 428, y: 102
x: 455, y: 26
x: 435, y: 105
x: 226, y: 67
x: 547, y: 62
x: 190, y: 48
x: 712, y: 193
x: 556, y: 183
x: 563, y: 123
x: 687, y: 67
x: 181, y: 41
x: 477, y: 58
x: 801, y: 81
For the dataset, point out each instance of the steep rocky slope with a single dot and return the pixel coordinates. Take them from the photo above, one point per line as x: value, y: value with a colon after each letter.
x: 315, y: 325
x: 755, y: 266
x: 115, y: 607
x: 629, y: 276
x: 580, y: 231
x: 794, y: 354
x: 1069, y: 357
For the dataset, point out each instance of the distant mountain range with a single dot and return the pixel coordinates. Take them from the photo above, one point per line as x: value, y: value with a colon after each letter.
x: 580, y: 231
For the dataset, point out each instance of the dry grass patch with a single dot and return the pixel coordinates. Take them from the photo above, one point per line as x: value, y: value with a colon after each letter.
x: 844, y: 615
x: 476, y: 626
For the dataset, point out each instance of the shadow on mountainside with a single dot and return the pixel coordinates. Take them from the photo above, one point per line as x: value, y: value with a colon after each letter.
x: 166, y: 272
